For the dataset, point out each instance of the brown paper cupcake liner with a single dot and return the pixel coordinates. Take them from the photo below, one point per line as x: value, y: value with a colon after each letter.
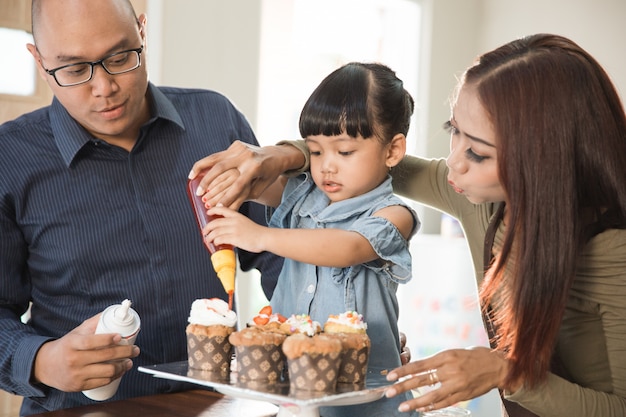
x: 260, y: 362
x: 209, y: 353
x: 353, y: 368
x: 317, y: 372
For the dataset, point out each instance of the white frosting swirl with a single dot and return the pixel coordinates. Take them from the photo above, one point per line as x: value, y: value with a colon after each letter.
x: 349, y: 318
x: 210, y: 312
x: 302, y: 323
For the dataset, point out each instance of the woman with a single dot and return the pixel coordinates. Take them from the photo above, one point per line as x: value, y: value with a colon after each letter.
x: 536, y: 176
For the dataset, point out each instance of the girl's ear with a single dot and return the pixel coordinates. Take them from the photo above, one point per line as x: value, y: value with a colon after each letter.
x: 396, y: 150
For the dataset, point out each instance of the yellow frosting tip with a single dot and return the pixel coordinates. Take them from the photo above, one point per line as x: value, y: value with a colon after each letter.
x: 225, y: 264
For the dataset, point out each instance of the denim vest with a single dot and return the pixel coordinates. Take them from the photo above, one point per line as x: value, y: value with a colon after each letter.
x: 368, y: 288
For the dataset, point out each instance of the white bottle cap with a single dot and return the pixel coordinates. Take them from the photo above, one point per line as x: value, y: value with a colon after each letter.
x: 121, y: 316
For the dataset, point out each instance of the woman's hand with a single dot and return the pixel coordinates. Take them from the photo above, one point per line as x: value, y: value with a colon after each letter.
x: 243, y: 172
x: 455, y: 375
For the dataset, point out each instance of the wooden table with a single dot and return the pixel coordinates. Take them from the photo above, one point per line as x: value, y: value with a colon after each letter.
x: 196, y: 403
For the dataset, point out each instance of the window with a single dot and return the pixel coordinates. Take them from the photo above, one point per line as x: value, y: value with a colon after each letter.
x: 302, y: 41
x: 17, y: 73
x: 21, y: 89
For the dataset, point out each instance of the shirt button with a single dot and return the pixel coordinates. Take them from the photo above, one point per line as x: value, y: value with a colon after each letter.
x: 310, y: 289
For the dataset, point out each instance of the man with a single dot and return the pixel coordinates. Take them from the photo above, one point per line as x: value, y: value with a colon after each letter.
x: 93, y: 210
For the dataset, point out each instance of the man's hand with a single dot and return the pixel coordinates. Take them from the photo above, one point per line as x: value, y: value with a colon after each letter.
x: 81, y: 360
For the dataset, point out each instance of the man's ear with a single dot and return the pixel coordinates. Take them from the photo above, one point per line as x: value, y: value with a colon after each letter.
x: 396, y: 150
x: 142, y: 21
x: 35, y: 53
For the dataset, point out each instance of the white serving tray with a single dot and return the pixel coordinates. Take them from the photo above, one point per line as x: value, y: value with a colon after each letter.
x: 300, y: 403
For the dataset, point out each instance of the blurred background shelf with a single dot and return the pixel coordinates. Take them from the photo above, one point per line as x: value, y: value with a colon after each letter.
x: 439, y: 306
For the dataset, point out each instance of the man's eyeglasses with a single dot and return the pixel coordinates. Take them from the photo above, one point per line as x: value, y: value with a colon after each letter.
x: 82, y: 72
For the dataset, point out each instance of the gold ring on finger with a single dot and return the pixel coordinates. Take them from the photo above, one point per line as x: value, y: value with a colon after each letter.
x: 432, y: 377
x: 435, y: 376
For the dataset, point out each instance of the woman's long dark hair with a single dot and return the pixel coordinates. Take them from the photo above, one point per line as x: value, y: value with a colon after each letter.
x: 561, y: 141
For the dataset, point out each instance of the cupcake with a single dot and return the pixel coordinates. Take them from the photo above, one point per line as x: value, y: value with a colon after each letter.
x: 258, y: 348
x: 258, y: 353
x: 350, y: 329
x: 313, y: 362
x: 267, y: 320
x: 210, y: 324
x: 300, y: 323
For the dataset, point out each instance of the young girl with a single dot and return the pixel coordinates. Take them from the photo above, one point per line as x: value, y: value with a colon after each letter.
x: 343, y: 233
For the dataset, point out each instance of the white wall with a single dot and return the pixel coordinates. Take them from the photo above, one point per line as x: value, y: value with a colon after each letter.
x: 463, y: 29
x: 598, y: 26
x: 451, y: 44
x: 207, y: 44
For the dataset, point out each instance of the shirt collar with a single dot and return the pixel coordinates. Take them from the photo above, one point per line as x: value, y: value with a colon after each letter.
x: 318, y: 206
x: 70, y: 136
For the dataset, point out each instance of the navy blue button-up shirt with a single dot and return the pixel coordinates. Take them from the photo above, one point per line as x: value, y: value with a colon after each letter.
x: 84, y: 225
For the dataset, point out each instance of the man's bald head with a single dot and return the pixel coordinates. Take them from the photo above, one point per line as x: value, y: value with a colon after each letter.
x: 71, y: 32
x: 39, y: 7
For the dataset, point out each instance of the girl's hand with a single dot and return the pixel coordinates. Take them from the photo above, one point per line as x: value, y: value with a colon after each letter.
x: 235, y: 229
x: 455, y: 375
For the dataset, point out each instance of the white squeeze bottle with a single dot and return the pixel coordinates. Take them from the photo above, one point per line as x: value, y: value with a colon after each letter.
x: 122, y: 319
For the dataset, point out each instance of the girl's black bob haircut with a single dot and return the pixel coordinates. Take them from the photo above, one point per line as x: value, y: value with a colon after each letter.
x: 358, y: 99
